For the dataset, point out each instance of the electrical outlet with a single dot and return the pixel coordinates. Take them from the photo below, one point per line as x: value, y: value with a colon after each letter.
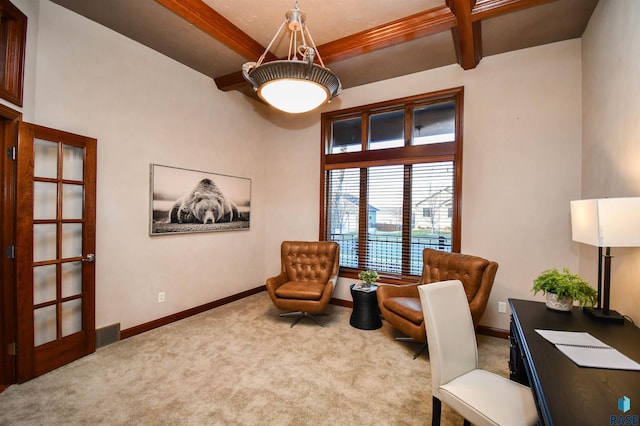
x: 502, y: 307
x: 161, y: 297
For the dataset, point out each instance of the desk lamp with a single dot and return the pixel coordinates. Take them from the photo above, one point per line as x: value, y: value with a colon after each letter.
x: 606, y: 223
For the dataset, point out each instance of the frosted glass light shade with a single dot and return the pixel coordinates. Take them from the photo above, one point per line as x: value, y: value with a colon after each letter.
x: 293, y: 95
x: 606, y: 222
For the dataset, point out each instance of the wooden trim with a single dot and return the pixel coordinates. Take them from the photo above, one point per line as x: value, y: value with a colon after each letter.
x: 217, y: 26
x: 341, y: 302
x: 456, y: 242
x: 492, y: 331
x: 421, y: 24
x: 487, y: 9
x: 382, y: 157
x: 13, y: 35
x: 9, y: 120
x: 139, y: 329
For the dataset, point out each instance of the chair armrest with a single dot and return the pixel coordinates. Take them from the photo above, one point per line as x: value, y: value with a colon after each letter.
x: 274, y: 282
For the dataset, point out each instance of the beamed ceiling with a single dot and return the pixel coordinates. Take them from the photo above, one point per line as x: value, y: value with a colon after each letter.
x: 361, y: 41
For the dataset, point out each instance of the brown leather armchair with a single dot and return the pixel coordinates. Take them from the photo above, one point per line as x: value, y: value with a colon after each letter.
x: 400, y: 304
x: 307, y: 279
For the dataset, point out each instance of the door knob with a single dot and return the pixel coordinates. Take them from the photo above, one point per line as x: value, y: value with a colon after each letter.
x: 90, y: 258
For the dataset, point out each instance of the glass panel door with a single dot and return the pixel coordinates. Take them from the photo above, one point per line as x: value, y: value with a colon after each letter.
x: 55, y: 266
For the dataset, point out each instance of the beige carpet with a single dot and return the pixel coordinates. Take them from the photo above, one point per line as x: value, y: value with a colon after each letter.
x: 241, y: 364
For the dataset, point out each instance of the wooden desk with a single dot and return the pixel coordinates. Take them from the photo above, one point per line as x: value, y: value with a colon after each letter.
x: 566, y: 394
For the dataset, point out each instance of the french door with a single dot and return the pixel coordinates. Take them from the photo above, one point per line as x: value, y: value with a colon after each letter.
x: 54, y: 249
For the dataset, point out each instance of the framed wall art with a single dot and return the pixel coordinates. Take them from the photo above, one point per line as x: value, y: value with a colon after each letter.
x: 185, y: 201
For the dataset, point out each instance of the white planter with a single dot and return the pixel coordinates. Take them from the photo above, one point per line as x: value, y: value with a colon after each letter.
x: 562, y: 304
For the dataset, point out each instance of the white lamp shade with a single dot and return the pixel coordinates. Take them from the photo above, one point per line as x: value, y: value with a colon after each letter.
x: 606, y: 222
x: 293, y: 95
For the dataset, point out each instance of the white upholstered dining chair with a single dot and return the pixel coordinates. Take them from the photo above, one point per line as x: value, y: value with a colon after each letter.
x: 480, y: 396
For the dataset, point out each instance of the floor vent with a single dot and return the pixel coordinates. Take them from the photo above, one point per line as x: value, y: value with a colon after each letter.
x: 107, y: 335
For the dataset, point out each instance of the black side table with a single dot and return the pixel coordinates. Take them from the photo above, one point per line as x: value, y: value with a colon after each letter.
x: 365, y: 315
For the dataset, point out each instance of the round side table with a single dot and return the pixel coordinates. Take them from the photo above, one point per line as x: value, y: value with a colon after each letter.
x: 365, y: 315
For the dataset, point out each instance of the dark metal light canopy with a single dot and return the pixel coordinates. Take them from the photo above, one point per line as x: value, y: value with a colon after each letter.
x: 296, y: 84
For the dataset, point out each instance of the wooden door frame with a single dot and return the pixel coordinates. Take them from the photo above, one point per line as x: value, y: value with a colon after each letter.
x: 9, y: 123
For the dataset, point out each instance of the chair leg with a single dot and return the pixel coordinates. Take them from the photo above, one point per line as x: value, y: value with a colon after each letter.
x: 422, y: 348
x: 466, y: 422
x: 300, y: 315
x: 411, y: 339
x: 437, y: 408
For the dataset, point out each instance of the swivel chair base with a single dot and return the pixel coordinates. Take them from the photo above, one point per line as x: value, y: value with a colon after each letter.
x: 299, y: 315
x: 411, y: 339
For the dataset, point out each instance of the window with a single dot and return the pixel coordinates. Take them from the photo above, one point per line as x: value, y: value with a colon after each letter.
x: 391, y: 175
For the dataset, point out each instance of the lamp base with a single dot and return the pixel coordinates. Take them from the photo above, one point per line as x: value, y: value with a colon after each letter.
x: 613, y: 316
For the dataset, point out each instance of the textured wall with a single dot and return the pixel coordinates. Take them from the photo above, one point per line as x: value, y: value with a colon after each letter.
x: 611, y: 133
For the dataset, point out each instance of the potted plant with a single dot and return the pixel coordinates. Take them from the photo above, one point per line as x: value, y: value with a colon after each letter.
x: 562, y: 288
x: 368, y: 277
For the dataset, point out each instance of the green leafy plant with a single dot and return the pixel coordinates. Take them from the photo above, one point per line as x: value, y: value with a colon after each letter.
x: 565, y: 284
x: 368, y: 277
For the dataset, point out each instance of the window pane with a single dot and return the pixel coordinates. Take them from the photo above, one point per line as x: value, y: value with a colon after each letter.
x: 434, y: 123
x: 72, y: 162
x: 71, y: 316
x: 384, y: 229
x: 44, y: 325
x: 72, y: 201
x: 45, y: 200
x: 346, y: 136
x: 71, y: 279
x: 44, y: 241
x: 343, y: 206
x: 44, y: 284
x: 45, y: 164
x: 432, y: 205
x: 71, y: 240
x: 386, y: 130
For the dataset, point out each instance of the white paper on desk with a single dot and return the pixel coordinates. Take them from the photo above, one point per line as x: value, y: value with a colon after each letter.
x: 587, y: 351
x: 578, y: 338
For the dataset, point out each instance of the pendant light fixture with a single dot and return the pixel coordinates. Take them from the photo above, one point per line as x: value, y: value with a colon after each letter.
x: 296, y: 84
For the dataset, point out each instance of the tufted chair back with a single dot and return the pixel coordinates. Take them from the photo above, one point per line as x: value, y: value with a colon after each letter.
x: 475, y: 273
x: 310, y: 260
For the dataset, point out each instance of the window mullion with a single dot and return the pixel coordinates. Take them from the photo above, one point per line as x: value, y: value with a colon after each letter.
x: 406, y: 221
x: 363, y: 213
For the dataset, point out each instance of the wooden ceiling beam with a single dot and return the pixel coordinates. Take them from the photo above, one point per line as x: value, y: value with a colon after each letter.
x: 467, y: 35
x: 402, y: 30
x: 217, y: 26
x: 465, y: 25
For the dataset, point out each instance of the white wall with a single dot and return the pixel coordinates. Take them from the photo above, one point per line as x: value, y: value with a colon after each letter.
x: 146, y: 108
x: 522, y: 136
x: 611, y: 128
x: 521, y: 165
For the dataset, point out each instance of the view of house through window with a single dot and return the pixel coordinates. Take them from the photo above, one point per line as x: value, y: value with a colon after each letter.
x: 388, y: 198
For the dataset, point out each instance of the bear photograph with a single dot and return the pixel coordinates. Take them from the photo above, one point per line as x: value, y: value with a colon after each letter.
x: 184, y: 200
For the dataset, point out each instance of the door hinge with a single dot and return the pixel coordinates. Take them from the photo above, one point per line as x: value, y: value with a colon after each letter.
x: 11, y: 252
x: 12, y: 153
x: 12, y: 349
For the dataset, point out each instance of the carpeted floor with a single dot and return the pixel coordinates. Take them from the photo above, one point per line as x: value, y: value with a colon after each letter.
x: 240, y: 364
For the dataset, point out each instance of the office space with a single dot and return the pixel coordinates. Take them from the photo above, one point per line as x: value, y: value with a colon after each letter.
x: 543, y: 126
